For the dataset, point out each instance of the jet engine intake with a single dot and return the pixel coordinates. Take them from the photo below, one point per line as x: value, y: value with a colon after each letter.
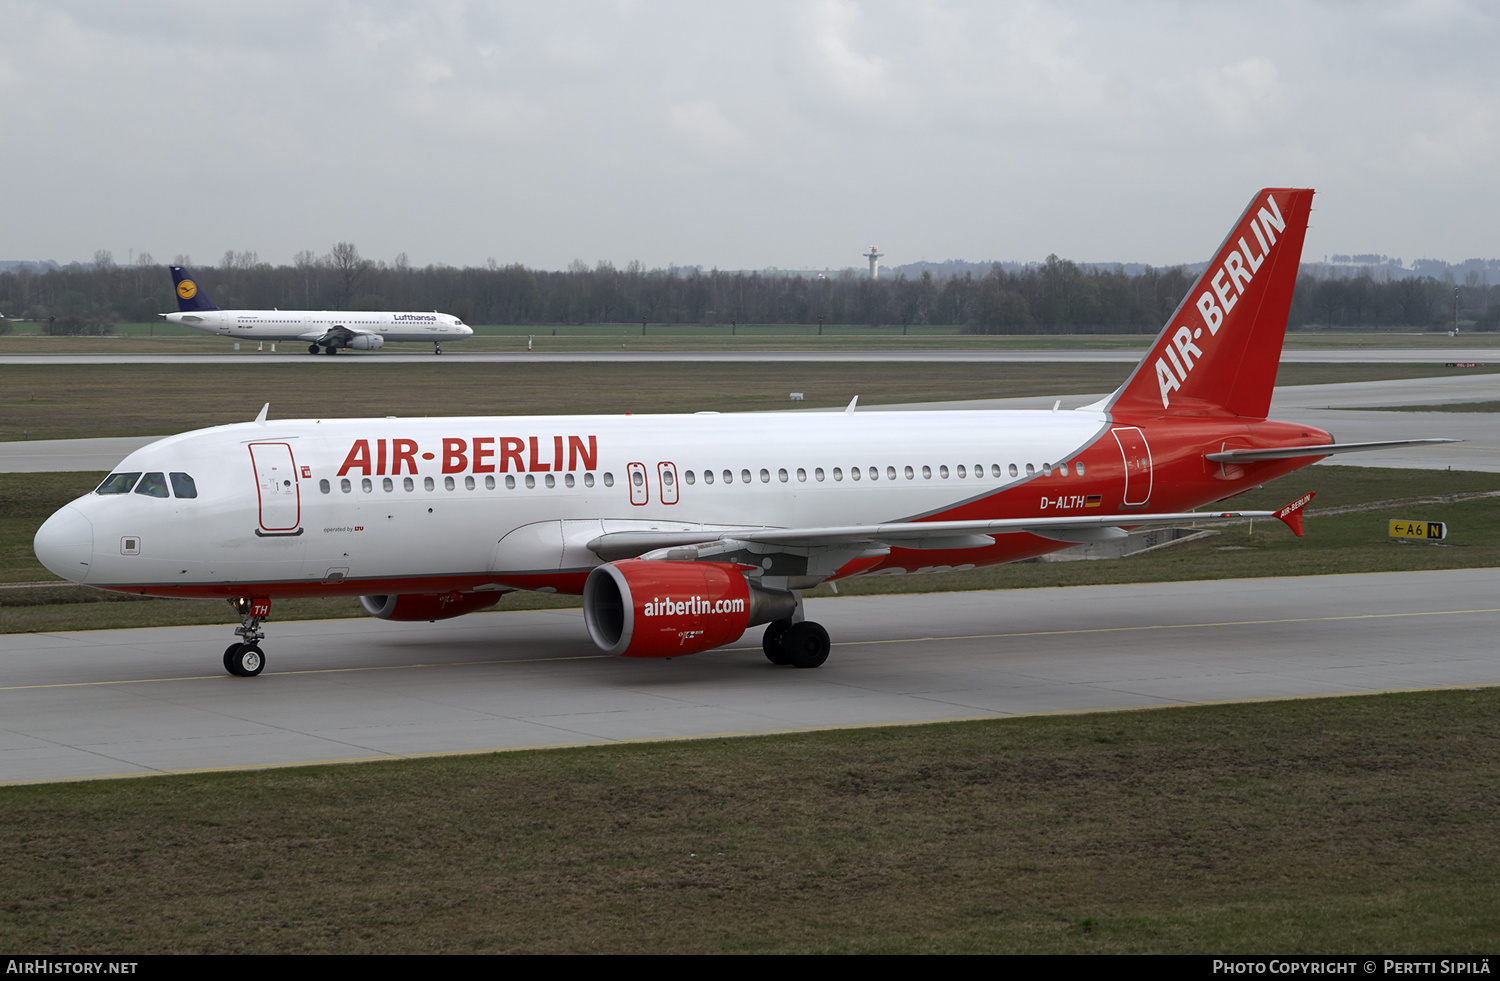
x: 366, y: 342
x: 427, y: 606
x: 650, y: 608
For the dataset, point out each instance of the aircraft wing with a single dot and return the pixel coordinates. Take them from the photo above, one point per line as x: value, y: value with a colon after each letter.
x: 1326, y: 449
x: 337, y: 334
x: 906, y: 534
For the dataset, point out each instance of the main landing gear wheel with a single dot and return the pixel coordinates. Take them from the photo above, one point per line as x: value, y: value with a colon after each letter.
x: 330, y: 349
x: 244, y: 660
x: 773, y: 641
x: 806, y: 644
x: 312, y: 349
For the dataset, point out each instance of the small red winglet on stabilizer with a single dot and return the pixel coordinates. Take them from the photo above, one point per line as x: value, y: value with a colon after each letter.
x: 1292, y: 513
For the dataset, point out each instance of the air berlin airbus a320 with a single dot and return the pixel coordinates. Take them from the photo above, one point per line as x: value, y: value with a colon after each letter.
x: 683, y: 531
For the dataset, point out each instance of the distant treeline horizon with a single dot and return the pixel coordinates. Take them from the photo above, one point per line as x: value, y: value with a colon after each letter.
x: 1055, y: 296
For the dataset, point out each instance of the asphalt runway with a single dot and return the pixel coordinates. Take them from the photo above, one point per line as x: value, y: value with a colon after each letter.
x: 293, y: 352
x: 125, y: 702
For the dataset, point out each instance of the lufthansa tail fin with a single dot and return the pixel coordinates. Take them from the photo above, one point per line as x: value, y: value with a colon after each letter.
x: 189, y: 299
x: 1220, y: 351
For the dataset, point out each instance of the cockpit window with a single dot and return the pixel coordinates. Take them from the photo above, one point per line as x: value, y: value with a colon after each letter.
x: 118, y: 483
x: 183, y: 486
x: 152, y: 485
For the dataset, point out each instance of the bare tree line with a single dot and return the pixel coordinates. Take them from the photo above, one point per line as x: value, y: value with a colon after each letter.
x: 1055, y: 296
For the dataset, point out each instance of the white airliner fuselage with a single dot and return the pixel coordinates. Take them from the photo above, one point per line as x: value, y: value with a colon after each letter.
x: 316, y: 326
x: 353, y: 506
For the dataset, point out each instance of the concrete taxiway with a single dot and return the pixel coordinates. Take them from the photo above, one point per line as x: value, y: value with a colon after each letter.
x: 122, y: 702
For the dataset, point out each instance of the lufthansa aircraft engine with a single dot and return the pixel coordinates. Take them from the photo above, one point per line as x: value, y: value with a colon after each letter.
x: 427, y: 606
x: 646, y: 608
x: 366, y: 342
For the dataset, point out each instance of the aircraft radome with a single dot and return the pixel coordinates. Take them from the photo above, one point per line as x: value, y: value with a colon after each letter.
x: 327, y: 330
x: 682, y: 531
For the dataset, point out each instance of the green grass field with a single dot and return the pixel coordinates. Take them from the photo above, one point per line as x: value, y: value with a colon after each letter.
x: 1351, y: 825
x: 69, y: 401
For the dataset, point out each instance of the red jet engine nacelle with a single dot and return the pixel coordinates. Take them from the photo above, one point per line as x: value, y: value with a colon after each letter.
x: 647, y: 608
x: 427, y: 606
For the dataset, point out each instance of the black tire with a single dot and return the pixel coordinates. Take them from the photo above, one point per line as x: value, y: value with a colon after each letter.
x: 330, y: 349
x: 806, y: 645
x: 312, y: 349
x: 773, y: 641
x: 249, y: 661
x: 230, y: 653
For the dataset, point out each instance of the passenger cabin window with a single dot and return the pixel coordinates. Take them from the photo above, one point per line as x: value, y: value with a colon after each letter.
x: 153, y: 485
x: 323, y: 485
x: 118, y: 483
x: 183, y: 486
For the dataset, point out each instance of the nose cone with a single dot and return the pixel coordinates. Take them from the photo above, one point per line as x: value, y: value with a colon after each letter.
x: 65, y: 544
x: 467, y: 331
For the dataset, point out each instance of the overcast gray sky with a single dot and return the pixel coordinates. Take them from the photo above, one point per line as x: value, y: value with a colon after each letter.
x: 741, y: 135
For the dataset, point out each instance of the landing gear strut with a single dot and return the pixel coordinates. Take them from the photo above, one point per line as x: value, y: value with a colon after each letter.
x: 246, y: 659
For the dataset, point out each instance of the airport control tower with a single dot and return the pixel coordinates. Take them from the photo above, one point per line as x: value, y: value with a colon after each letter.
x: 874, y: 258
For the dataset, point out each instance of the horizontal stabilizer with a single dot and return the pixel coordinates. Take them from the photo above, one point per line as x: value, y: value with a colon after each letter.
x: 1325, y: 449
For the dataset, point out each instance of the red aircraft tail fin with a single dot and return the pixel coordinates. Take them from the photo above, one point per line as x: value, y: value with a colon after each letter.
x: 1221, y: 349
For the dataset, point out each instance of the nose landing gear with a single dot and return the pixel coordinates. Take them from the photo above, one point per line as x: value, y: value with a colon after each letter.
x: 437, y: 347
x: 246, y: 660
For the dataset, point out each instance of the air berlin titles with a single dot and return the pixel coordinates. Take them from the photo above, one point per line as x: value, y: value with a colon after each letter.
x: 481, y: 454
x: 692, y: 606
x: 1229, y: 284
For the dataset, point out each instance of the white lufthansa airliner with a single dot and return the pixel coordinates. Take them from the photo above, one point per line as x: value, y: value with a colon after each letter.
x: 682, y: 531
x: 327, y: 330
